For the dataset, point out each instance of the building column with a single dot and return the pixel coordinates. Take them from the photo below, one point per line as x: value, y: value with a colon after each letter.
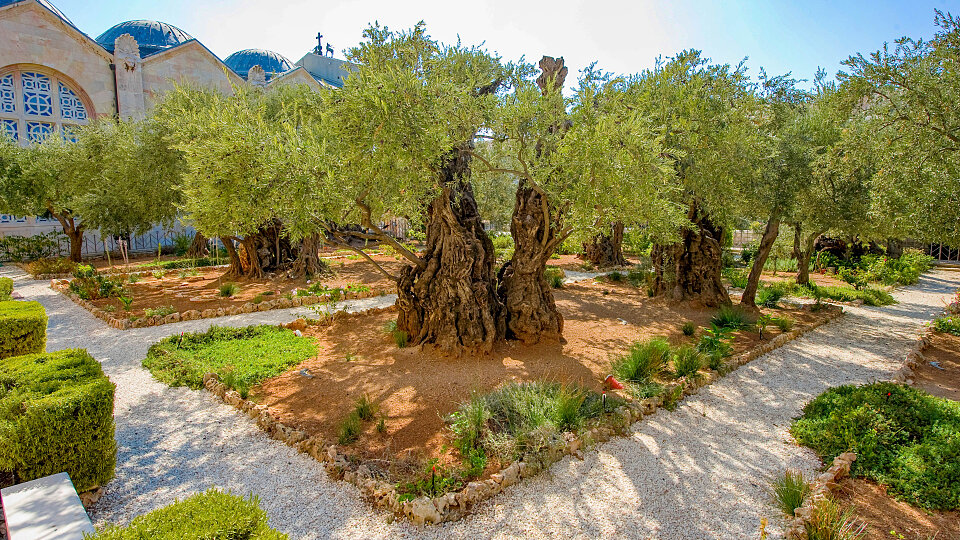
x: 126, y: 58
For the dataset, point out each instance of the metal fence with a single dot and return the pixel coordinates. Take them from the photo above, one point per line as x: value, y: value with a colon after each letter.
x: 943, y: 253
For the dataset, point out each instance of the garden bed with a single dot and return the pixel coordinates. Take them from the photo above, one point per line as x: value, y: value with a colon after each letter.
x: 942, y: 381
x: 164, y: 296
x: 885, y: 517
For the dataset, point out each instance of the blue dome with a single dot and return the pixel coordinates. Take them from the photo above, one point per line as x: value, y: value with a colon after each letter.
x: 43, y: 3
x: 152, y: 36
x: 271, y: 62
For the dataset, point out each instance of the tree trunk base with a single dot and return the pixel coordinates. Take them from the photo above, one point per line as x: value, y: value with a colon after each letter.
x: 606, y: 251
x: 690, y: 269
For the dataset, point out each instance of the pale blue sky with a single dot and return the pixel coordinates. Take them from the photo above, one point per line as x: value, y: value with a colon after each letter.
x: 625, y: 37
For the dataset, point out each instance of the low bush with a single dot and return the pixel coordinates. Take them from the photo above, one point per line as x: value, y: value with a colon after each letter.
x: 228, y: 289
x: 51, y: 266
x: 56, y: 414
x: 904, y: 438
x: 211, y: 515
x: 688, y: 328
x: 737, y: 277
x: 502, y: 246
x: 522, y: 418
x: 249, y: 355
x: 644, y: 360
x: 785, y: 324
x: 554, y: 277
x: 789, y: 491
x: 715, y: 343
x: 732, y: 317
x: 159, y: 311
x: 89, y: 284
x: 770, y: 295
x: 780, y: 265
x: 349, y: 430
x: 948, y: 325
x: 687, y: 361
x: 29, y: 248
x: 6, y: 288
x: 181, y: 243
x: 23, y: 328
x: 870, y: 297
x: 905, y: 270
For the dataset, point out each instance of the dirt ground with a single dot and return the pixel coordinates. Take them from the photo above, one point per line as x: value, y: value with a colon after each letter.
x: 882, y: 513
x: 415, y: 389
x: 944, y: 350
x: 821, y: 280
x: 201, y: 291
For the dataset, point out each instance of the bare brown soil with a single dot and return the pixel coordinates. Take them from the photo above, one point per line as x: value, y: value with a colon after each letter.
x: 821, y: 280
x: 415, y: 389
x: 944, y: 350
x: 882, y: 514
x: 202, y: 291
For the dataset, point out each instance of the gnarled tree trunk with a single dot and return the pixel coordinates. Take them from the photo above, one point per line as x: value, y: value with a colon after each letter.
x: 606, y: 250
x: 74, y: 232
x: 198, y: 247
x: 531, y: 311
x: 770, y: 233
x: 690, y: 269
x: 449, y: 298
x: 308, y: 262
x: 804, y: 253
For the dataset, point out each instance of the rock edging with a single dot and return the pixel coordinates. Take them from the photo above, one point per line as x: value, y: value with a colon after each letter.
x: 62, y: 286
x: 822, y: 487
x: 914, y: 357
x: 454, y: 505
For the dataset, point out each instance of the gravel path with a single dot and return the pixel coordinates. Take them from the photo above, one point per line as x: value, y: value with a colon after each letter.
x: 697, y: 472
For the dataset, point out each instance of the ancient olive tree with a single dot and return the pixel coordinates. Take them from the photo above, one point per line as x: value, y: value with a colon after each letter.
x: 580, y: 164
x: 706, y: 116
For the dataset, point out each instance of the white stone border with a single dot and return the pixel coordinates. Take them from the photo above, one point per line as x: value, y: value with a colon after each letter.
x: 454, y: 505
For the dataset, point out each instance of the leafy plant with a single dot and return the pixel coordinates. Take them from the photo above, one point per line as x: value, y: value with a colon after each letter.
x: 904, y: 438
x: 770, y: 295
x: 615, y: 276
x: 554, y: 277
x: 737, y: 276
x: 126, y: 301
x: 133, y: 277
x: 789, y: 491
x: 382, y: 425
x: 160, y: 311
x: 688, y: 328
x: 784, y: 323
x: 715, y: 342
x: 158, y: 274
x: 947, y: 325
x: 644, y: 360
x: 228, y: 289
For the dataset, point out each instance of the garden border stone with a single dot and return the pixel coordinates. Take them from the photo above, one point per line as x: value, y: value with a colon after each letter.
x: 455, y: 505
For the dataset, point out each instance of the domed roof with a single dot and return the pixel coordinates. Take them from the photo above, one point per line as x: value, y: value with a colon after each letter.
x: 43, y: 3
x: 152, y: 36
x: 271, y: 62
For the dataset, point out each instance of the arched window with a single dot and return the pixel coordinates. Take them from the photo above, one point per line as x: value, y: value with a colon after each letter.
x: 36, y: 102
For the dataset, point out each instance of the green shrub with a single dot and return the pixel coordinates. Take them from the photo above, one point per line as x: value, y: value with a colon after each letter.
x: 738, y: 277
x: 780, y: 265
x: 228, y: 289
x: 251, y: 354
x: 23, y: 328
x: 770, y: 295
x: 349, y: 430
x: 733, y: 317
x: 6, y: 288
x: 181, y: 243
x: 947, y: 325
x: 365, y: 408
x: 615, y: 276
x: 29, y: 248
x: 904, y: 438
x: 158, y: 274
x: 160, y: 311
x: 211, y: 515
x: 56, y: 414
x: 789, y: 492
x: 785, y: 324
x: 644, y: 360
x: 133, y: 277
x: 715, y: 343
x: 554, y: 277
x: 688, y: 328
x: 870, y: 297
x: 522, y: 418
x: 687, y: 361
x: 399, y: 338
x: 51, y: 266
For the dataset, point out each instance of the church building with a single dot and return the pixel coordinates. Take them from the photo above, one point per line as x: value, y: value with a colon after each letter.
x: 54, y: 77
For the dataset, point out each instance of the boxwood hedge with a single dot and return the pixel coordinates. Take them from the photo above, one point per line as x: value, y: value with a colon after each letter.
x: 6, y: 288
x: 56, y: 415
x: 212, y: 515
x: 23, y: 328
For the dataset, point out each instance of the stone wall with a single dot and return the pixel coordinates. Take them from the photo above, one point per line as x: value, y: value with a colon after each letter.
x: 188, y: 63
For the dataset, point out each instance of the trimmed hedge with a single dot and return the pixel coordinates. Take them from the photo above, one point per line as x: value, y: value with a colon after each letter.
x: 212, y: 515
x: 56, y: 414
x: 6, y: 288
x: 23, y: 328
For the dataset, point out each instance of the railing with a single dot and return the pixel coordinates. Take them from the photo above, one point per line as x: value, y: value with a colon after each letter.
x: 943, y: 253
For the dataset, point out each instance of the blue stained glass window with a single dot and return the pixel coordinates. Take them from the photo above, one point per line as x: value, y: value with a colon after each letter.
x: 37, y: 98
x: 38, y: 131
x: 71, y: 108
x: 9, y: 128
x: 8, y: 98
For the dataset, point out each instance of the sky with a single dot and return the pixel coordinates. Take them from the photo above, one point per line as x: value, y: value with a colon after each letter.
x: 622, y: 37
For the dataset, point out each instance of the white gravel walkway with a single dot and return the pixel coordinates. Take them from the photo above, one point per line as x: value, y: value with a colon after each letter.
x: 697, y: 472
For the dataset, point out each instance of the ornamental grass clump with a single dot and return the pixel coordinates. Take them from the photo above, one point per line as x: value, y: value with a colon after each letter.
x: 904, y: 438
x: 830, y: 521
x: 228, y: 289
x: 790, y: 491
x: 644, y: 360
x: 523, y: 418
x: 732, y: 317
x: 687, y: 362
